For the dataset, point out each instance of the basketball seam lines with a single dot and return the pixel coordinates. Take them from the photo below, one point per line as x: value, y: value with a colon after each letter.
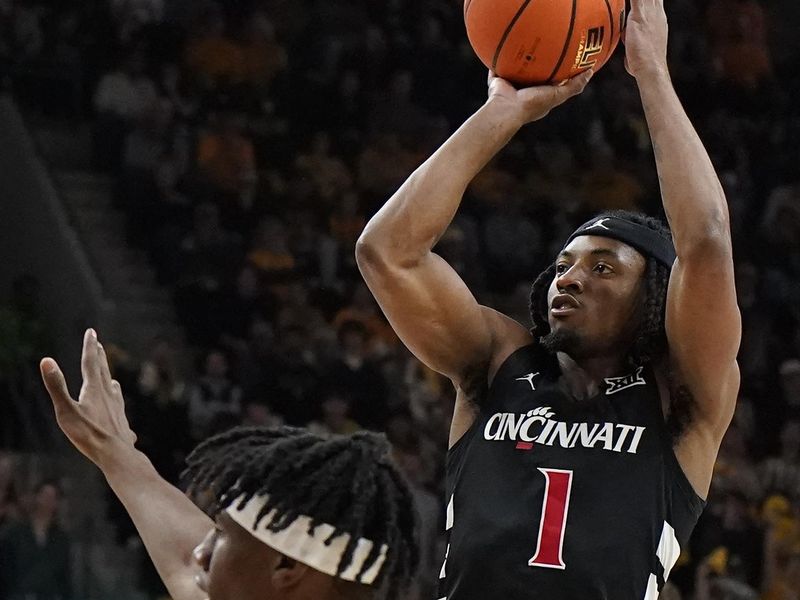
x: 566, y: 43
x: 508, y: 31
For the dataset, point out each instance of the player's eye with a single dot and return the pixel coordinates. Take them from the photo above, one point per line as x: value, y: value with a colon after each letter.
x: 561, y: 268
x: 602, y: 268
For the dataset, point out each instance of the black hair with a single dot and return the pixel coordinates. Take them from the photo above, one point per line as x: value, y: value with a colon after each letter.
x: 650, y: 340
x: 345, y: 481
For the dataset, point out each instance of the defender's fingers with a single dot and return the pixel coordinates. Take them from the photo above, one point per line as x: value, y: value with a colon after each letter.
x: 56, y: 385
x: 89, y: 363
x: 105, y: 371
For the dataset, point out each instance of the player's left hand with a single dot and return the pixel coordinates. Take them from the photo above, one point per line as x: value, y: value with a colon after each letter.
x: 96, y: 424
x: 645, y: 38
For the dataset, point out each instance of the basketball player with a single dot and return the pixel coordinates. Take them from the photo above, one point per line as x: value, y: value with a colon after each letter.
x: 581, y: 451
x: 297, y: 516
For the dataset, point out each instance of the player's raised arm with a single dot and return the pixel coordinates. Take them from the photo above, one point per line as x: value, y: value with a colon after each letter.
x: 170, y: 525
x: 425, y: 300
x: 702, y: 322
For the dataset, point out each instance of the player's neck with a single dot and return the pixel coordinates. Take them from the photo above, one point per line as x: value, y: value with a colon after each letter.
x: 583, y: 378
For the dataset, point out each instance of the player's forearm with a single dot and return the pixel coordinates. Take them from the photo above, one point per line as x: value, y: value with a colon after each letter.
x: 693, y: 198
x: 169, y: 524
x: 408, y: 226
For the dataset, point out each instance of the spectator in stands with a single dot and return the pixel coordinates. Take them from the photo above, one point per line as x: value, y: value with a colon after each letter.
x: 781, y: 550
x: 23, y: 333
x: 144, y: 148
x: 363, y: 309
x: 382, y: 166
x: 173, y: 88
x: 131, y: 15
x: 158, y: 408
x: 226, y: 162
x: 296, y: 380
x: 607, y: 184
x: 718, y: 578
x: 204, y: 266
x: 9, y: 497
x: 213, y: 58
x: 27, y: 35
x: 734, y: 470
x: 789, y: 372
x: 320, y: 165
x: 215, y: 401
x: 335, y: 408
x: 304, y: 233
x: 35, y: 555
x: 511, y: 239
x: 123, y: 96
x: 394, y: 110
x: 359, y: 376
x: 739, y: 41
x: 263, y: 56
x: 347, y: 221
x: 269, y: 251
x: 242, y: 302
x: 781, y: 474
x: 298, y: 308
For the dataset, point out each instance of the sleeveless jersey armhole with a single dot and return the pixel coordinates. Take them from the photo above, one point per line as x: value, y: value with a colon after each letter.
x: 693, y: 502
x: 457, y: 450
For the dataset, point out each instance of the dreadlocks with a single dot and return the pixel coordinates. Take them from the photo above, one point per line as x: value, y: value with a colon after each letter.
x: 650, y: 341
x: 345, y: 481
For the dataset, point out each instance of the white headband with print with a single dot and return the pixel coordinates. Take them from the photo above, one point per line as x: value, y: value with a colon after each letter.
x: 296, y: 542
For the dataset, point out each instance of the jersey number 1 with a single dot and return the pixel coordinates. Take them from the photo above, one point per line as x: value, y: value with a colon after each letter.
x: 555, y: 506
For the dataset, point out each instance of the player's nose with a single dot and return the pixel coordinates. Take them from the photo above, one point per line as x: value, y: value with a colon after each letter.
x: 570, y: 282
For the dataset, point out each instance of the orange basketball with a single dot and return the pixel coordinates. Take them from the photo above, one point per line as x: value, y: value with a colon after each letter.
x: 543, y: 41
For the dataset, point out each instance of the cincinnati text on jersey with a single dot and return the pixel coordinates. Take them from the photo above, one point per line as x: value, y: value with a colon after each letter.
x: 536, y: 427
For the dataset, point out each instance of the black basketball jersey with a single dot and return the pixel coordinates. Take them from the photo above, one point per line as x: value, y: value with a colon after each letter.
x: 556, y: 499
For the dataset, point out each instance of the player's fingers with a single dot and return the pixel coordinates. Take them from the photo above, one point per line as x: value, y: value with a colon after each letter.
x: 119, y: 399
x: 56, y: 385
x: 102, y: 363
x: 89, y: 363
x: 577, y: 84
x: 490, y: 77
x: 116, y: 392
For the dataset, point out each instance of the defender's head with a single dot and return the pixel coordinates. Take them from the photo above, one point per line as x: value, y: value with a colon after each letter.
x: 605, y: 294
x: 302, y: 516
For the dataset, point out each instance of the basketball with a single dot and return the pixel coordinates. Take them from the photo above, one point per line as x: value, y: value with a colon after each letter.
x: 532, y: 42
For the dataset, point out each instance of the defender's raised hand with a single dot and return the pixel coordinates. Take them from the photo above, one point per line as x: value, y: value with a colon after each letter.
x: 96, y: 424
x: 646, y: 38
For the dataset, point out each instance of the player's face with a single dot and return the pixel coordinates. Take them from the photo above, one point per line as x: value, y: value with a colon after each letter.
x: 235, y: 565
x: 595, y: 297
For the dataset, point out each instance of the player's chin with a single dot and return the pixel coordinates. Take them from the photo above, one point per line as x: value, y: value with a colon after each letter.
x: 563, y: 319
x: 563, y: 338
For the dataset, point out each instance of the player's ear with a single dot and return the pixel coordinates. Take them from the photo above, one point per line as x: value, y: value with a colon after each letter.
x: 287, y: 573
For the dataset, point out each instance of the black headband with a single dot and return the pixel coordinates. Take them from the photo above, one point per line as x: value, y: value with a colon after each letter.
x: 647, y: 241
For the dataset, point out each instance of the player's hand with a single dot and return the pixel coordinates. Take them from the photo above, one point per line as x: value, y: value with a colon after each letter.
x: 645, y: 38
x: 96, y: 424
x: 533, y: 103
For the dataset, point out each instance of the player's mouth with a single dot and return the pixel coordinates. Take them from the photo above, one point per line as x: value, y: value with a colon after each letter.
x: 563, y: 305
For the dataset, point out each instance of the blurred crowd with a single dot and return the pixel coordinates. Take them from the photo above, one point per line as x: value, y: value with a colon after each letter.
x: 251, y: 141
